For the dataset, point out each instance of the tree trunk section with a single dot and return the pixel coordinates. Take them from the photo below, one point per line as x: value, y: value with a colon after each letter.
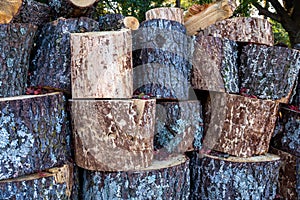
x: 289, y: 175
x: 168, y: 13
x: 216, y: 177
x: 113, y: 135
x: 241, y: 29
x: 15, y: 47
x: 178, y: 128
x: 239, y: 125
x: 52, y: 55
x: 296, y: 93
x: 269, y: 72
x: 215, y: 65
x: 35, y: 134
x: 8, y: 9
x: 102, y: 64
x: 162, y: 180
x: 115, y: 22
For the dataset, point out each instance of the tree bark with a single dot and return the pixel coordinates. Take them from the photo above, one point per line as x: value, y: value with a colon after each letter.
x: 240, y: 29
x: 8, y: 9
x: 52, y: 55
x: 269, y: 72
x: 215, y: 65
x: 102, y: 64
x: 115, y: 22
x: 113, y: 135
x: 216, y: 177
x: 239, y: 125
x: 15, y: 47
x: 168, y: 13
x: 162, y: 180
x: 178, y: 128
x: 35, y: 134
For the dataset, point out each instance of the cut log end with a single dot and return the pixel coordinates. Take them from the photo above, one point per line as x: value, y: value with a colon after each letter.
x: 8, y: 9
x: 82, y: 3
x: 131, y: 23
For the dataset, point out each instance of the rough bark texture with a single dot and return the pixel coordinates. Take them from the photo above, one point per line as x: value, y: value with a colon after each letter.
x: 178, y: 128
x: 8, y: 9
x: 113, y: 135
x: 296, y: 93
x: 287, y: 132
x: 240, y: 29
x: 56, y: 183
x: 162, y: 180
x: 238, y: 125
x: 52, y: 56
x: 115, y: 22
x: 101, y: 64
x: 168, y: 13
x: 289, y: 175
x: 15, y: 46
x: 269, y: 72
x: 215, y: 65
x: 215, y: 177
x: 35, y: 134
x: 33, y: 12
x: 161, y: 55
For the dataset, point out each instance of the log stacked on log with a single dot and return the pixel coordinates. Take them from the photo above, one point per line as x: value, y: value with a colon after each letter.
x: 15, y: 47
x: 8, y: 9
x: 35, y: 135
x: 167, y: 179
x: 115, y: 22
x: 52, y: 55
x: 168, y: 13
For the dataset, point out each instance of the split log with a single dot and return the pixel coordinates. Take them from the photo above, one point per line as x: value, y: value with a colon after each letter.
x: 35, y: 134
x: 52, y: 55
x: 102, y: 64
x: 178, y: 128
x: 113, y: 135
x: 168, y: 13
x: 215, y: 65
x: 287, y: 132
x: 8, y: 9
x: 72, y: 8
x: 289, y: 176
x: 15, y: 47
x: 33, y: 12
x: 209, y: 15
x: 269, y: 72
x: 242, y: 29
x: 239, y: 125
x: 54, y: 183
x: 216, y: 177
x: 115, y: 22
x: 162, y: 180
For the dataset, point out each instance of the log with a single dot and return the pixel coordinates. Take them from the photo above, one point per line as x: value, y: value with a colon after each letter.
x: 242, y: 29
x: 215, y: 65
x: 15, y: 47
x: 8, y: 9
x: 273, y: 71
x: 296, y: 94
x: 216, y: 177
x: 101, y: 64
x: 35, y: 134
x: 162, y: 180
x: 239, y: 125
x: 287, y: 132
x: 115, y: 22
x: 178, y: 128
x: 51, y: 61
x: 54, y: 183
x: 168, y: 13
x: 289, y: 176
x: 211, y: 14
x: 113, y: 135
x: 33, y: 12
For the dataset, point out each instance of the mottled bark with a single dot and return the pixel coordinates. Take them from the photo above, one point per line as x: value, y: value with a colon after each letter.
x: 162, y: 180
x: 115, y: 22
x: 15, y: 47
x: 269, y: 72
x: 8, y: 9
x: 178, y: 128
x: 52, y: 55
x: 216, y: 177
x: 215, y: 65
x: 168, y: 13
x: 101, y: 64
x: 296, y: 93
x: 113, y: 135
x: 35, y: 134
x: 240, y: 29
x: 239, y: 125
